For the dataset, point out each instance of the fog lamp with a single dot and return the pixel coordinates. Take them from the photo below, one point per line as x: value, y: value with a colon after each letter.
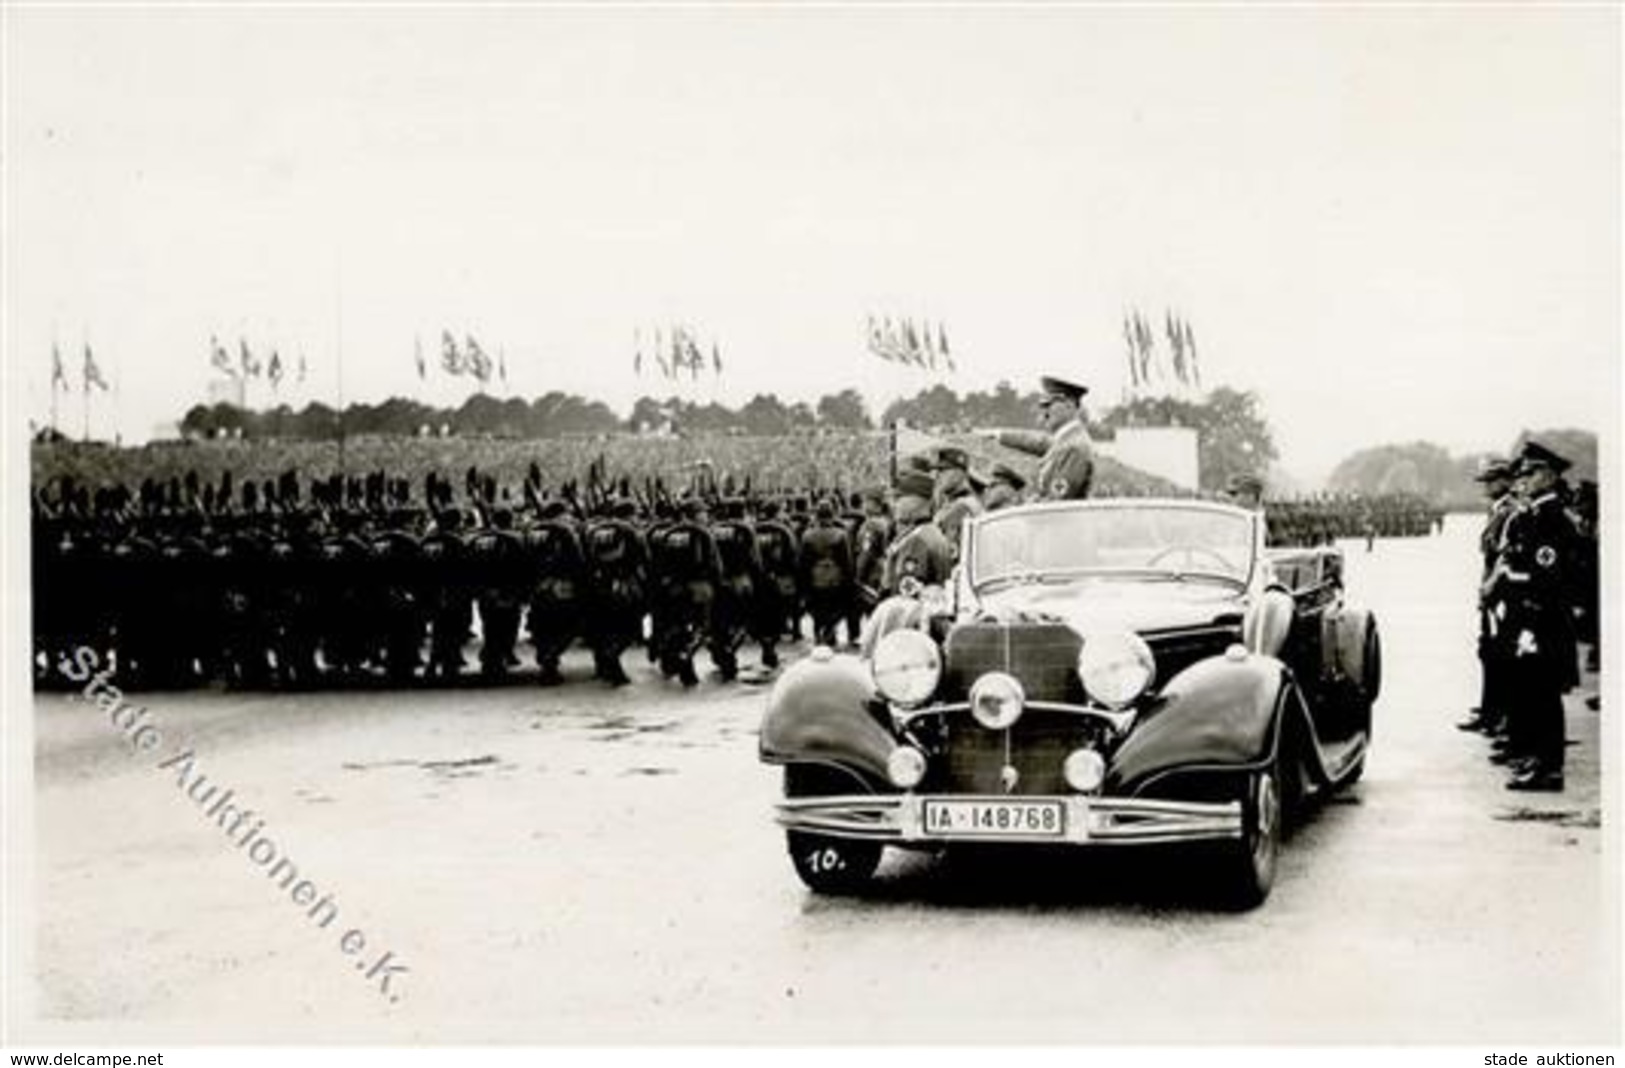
x: 1084, y: 770
x: 905, y: 767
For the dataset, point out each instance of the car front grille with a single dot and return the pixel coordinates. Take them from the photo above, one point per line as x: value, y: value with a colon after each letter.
x: 974, y: 757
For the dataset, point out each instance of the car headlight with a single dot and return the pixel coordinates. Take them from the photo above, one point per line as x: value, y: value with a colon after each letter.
x: 905, y: 767
x: 1084, y: 770
x: 907, y: 667
x: 1115, y: 667
x: 996, y: 700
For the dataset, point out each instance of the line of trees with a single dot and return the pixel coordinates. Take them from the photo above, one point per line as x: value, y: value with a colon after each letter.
x: 1430, y: 470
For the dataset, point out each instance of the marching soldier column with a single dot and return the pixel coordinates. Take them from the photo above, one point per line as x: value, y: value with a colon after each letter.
x: 182, y: 583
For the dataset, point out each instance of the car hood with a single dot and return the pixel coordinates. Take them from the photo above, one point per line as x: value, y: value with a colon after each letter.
x: 1136, y: 604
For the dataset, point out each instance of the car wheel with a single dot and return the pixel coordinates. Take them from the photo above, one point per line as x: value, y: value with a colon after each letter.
x: 1249, y: 863
x: 832, y: 865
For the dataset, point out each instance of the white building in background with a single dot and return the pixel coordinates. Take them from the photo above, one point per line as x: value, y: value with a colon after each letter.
x: 1168, y: 452
x: 226, y: 391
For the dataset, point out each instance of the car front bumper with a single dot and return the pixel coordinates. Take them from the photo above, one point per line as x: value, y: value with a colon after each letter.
x: 900, y: 819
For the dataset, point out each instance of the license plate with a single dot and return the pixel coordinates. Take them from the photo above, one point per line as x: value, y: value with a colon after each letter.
x: 996, y: 819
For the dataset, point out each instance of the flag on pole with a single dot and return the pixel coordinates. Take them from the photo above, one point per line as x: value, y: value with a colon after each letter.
x: 59, y: 377
x: 478, y: 361
x: 502, y: 365
x: 716, y: 359
x: 273, y: 369
x: 450, y: 359
x: 301, y: 368
x: 417, y: 353
x: 251, y: 366
x: 219, y: 358
x: 93, y: 374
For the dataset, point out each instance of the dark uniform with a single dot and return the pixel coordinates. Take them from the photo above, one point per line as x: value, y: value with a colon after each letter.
x: 1534, y: 586
x: 776, y: 592
x: 686, y: 569
x: 827, y: 572
x: 1490, y: 716
x: 497, y: 559
x: 741, y: 569
x: 447, y: 593
x: 557, y: 572
x: 400, y: 615
x: 617, y: 579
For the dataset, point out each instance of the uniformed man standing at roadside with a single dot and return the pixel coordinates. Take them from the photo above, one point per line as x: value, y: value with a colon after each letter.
x: 1533, y: 576
x: 1495, y: 475
x: 1066, y: 467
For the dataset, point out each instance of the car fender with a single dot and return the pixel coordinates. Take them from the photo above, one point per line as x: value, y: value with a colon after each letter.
x: 1220, y: 714
x: 821, y: 712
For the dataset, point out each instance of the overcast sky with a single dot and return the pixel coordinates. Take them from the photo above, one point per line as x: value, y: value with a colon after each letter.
x: 1393, y: 224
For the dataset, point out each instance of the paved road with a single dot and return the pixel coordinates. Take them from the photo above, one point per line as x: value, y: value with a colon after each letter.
x: 582, y: 864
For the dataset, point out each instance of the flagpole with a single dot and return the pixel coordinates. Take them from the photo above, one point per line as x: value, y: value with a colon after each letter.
x: 56, y: 376
x: 84, y: 383
x: 338, y: 332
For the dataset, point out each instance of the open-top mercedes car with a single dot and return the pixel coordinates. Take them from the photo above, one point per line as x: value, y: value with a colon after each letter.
x: 1098, y: 673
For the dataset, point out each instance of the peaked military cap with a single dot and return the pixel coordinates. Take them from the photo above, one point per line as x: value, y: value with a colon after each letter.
x: 1008, y: 475
x: 952, y: 456
x: 913, y: 484
x: 1244, y: 483
x: 1534, y: 454
x: 1060, y: 387
x: 1494, y: 469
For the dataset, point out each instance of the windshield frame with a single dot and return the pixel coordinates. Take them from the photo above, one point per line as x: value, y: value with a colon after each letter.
x: 978, y: 585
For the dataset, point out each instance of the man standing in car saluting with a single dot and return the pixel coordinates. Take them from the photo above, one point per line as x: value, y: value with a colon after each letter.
x: 1066, y: 467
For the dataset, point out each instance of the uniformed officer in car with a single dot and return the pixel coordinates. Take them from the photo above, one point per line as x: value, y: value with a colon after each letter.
x: 1004, y: 489
x: 921, y: 551
x: 1066, y: 467
x: 954, y: 493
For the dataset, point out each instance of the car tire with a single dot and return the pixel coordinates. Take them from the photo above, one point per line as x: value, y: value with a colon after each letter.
x: 1248, y: 865
x: 832, y: 865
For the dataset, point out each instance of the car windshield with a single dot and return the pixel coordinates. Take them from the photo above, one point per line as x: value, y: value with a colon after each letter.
x: 1169, y: 540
